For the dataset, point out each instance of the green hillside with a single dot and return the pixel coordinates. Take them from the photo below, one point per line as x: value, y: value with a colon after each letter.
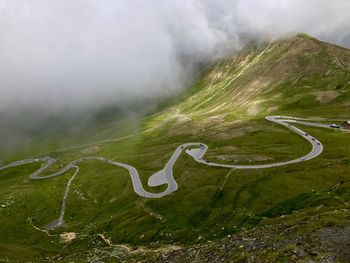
x: 297, y: 76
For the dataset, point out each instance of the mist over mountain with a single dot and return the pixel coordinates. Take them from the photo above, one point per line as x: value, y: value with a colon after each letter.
x: 63, y: 59
x: 216, y: 164
x: 174, y: 131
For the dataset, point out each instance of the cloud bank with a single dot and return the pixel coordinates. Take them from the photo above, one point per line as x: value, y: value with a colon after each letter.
x: 90, y: 52
x: 69, y: 56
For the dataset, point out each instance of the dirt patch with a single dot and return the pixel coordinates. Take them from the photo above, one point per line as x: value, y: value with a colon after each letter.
x: 215, y: 119
x: 272, y: 109
x: 91, y: 150
x: 140, y: 250
x: 67, y: 237
x: 327, y: 96
x: 183, y: 129
x: 257, y: 106
x: 257, y: 85
x: 182, y: 124
x: 338, y: 185
x: 254, y: 108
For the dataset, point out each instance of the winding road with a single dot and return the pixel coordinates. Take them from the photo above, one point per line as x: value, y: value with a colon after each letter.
x: 165, y: 176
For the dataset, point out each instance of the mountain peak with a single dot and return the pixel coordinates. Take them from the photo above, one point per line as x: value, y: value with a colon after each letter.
x: 253, y: 83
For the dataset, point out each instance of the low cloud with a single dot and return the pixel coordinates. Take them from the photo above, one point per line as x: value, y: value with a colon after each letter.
x: 83, y: 54
x: 87, y: 52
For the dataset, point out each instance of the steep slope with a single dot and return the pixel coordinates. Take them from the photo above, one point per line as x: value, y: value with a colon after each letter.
x: 298, y: 76
x: 279, y: 76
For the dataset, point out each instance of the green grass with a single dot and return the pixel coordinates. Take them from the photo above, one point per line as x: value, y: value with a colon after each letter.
x: 198, y: 208
x: 207, y: 204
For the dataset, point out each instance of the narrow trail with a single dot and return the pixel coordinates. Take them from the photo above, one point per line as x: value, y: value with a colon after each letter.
x: 60, y: 221
x: 165, y: 176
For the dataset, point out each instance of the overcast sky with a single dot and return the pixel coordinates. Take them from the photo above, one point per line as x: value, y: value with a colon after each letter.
x: 90, y: 52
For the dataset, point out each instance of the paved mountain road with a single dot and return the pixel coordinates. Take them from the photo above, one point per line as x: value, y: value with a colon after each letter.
x: 165, y: 176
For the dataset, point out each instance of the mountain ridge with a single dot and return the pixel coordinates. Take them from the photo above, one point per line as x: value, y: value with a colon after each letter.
x: 298, y: 76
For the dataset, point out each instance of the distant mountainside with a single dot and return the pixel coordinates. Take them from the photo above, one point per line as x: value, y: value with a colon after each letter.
x: 297, y: 73
x: 297, y: 212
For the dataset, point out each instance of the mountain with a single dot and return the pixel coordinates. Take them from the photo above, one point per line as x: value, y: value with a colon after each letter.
x: 293, y: 212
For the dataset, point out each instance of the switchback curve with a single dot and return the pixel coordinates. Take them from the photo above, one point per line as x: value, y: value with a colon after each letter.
x: 165, y: 176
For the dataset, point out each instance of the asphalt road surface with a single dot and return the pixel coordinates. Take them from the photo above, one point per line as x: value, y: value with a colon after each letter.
x: 165, y: 176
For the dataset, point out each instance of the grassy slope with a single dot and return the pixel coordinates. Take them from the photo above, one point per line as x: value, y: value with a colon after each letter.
x: 225, y: 109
